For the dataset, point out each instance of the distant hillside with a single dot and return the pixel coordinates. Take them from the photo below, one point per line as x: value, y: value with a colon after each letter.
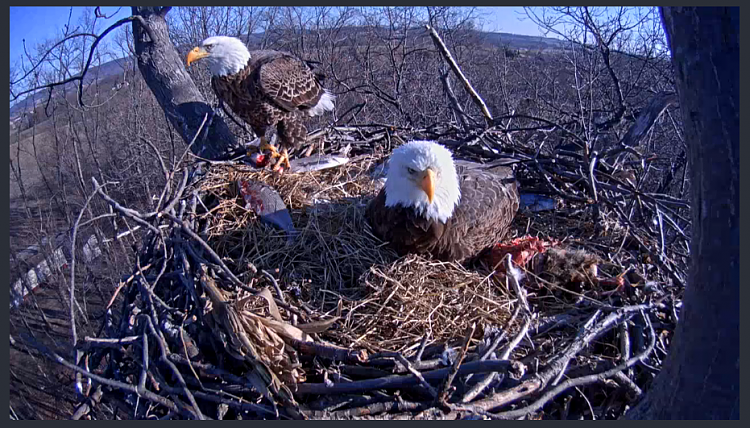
x: 108, y: 71
x: 513, y: 41
x: 518, y: 41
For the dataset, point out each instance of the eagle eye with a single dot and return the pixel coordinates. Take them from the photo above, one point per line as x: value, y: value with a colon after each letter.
x: 411, y: 170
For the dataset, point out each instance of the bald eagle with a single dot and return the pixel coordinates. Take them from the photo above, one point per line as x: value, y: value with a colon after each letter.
x: 444, y: 209
x: 270, y: 90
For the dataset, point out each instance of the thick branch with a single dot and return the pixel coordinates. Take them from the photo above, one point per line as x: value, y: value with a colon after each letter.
x: 401, y: 381
x: 164, y: 73
x: 646, y: 119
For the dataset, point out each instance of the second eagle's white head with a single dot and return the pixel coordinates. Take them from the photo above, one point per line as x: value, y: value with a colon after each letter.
x: 422, y: 175
x: 224, y: 55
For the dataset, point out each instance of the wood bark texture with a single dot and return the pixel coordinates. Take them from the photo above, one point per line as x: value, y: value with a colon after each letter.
x: 700, y: 377
x: 164, y: 72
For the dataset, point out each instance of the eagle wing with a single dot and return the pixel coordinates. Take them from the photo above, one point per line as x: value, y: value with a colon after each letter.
x: 290, y: 83
x: 489, y: 201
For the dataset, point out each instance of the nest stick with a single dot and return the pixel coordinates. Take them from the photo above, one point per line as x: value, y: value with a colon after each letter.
x: 400, y: 381
x: 487, y: 380
x: 445, y: 391
x: 329, y: 352
x: 208, y: 248
x: 419, y: 376
x: 579, y: 381
x: 145, y: 393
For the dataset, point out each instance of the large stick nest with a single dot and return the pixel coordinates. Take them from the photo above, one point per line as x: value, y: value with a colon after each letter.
x: 225, y: 317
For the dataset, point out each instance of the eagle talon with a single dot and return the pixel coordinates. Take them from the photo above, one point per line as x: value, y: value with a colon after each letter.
x: 264, y: 145
x: 282, y: 161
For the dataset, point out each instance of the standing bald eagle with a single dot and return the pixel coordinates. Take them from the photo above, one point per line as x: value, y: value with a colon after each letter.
x: 433, y: 205
x: 270, y: 90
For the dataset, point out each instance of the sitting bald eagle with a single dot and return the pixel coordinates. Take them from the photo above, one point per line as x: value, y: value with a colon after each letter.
x: 430, y: 205
x: 270, y: 90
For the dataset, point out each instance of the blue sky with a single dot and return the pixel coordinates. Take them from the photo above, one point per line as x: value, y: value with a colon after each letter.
x: 505, y: 19
x: 35, y: 24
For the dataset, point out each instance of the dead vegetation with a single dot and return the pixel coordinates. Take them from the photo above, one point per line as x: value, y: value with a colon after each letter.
x: 221, y: 316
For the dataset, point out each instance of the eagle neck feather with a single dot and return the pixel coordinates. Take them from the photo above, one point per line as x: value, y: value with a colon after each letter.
x: 233, y: 63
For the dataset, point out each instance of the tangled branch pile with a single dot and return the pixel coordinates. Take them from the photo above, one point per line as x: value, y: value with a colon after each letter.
x: 225, y: 317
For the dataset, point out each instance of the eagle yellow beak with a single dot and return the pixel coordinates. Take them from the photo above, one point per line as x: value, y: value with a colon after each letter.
x: 428, y: 184
x: 196, y: 54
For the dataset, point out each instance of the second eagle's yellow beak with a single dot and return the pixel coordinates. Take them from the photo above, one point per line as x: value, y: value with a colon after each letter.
x: 196, y: 54
x: 428, y: 184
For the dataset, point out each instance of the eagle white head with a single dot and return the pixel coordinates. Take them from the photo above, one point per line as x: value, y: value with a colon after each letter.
x: 421, y: 174
x: 224, y: 55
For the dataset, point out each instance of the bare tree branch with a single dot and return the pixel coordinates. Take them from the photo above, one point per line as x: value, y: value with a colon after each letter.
x: 459, y: 74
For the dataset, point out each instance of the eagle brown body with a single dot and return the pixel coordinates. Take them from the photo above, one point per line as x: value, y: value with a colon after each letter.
x: 489, y: 201
x: 270, y: 90
x: 272, y: 93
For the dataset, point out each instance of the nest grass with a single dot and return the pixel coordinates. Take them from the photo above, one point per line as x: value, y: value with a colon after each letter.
x: 336, y: 265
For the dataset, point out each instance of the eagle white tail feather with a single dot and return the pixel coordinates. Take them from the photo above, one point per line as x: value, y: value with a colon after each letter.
x: 325, y: 104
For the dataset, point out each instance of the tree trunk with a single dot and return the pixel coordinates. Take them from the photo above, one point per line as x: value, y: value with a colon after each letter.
x: 164, y: 73
x: 700, y: 377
